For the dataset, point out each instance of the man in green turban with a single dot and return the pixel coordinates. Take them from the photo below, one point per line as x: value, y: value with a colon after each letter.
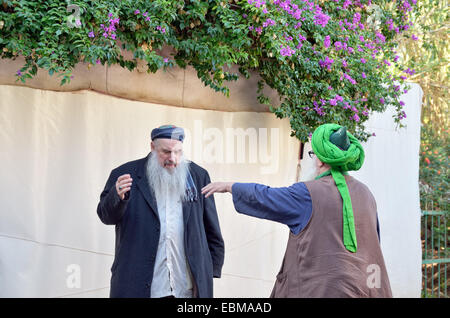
x: 333, y: 248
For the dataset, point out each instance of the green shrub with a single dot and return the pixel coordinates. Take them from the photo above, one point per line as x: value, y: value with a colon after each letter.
x: 329, y: 61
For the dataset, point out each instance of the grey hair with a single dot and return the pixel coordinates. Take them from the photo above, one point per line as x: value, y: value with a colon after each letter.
x: 164, y: 182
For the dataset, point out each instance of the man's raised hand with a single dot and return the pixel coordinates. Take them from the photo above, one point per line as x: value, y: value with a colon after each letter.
x: 123, y: 185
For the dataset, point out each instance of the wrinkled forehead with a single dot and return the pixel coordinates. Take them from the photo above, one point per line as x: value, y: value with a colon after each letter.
x: 168, y: 144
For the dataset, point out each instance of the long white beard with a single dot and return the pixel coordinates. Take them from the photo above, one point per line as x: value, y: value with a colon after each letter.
x: 164, y: 182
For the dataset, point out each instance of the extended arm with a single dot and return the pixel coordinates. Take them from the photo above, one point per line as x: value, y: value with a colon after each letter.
x: 287, y: 205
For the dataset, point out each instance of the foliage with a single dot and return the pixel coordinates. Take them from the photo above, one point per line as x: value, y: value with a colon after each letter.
x: 434, y: 170
x: 429, y: 57
x: 329, y: 61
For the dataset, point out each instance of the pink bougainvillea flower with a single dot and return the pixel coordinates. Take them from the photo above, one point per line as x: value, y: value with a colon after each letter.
x: 327, y: 42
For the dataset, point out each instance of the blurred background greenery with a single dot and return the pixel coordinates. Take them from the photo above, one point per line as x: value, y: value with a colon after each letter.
x: 428, y: 56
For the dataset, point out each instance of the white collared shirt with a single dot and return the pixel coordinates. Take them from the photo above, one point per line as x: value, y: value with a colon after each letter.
x: 171, y: 275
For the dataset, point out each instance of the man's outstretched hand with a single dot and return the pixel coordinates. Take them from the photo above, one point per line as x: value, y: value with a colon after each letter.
x: 214, y: 187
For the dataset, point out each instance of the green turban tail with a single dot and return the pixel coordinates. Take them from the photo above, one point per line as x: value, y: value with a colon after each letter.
x: 340, y: 161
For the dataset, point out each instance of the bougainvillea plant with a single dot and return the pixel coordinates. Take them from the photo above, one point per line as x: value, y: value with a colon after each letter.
x: 329, y: 61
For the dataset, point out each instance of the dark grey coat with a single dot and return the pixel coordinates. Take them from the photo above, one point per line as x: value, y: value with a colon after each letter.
x: 138, y: 228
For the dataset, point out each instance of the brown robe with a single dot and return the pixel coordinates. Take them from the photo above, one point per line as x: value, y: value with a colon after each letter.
x: 317, y: 264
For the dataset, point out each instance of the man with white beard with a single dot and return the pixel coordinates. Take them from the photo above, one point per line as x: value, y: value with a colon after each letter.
x: 168, y: 239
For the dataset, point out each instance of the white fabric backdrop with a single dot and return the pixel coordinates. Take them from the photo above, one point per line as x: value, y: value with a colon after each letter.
x: 57, y: 150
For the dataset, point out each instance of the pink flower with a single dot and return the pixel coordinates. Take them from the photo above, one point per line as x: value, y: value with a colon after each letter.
x: 380, y: 37
x: 356, y: 18
x: 349, y: 78
x: 414, y: 37
x: 327, y: 42
x: 347, y: 3
x: 268, y: 22
x: 326, y: 63
x: 321, y: 19
x: 286, y: 51
x: 161, y: 29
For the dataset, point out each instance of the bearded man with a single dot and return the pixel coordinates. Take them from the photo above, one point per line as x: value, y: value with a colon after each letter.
x: 168, y: 239
x: 333, y: 248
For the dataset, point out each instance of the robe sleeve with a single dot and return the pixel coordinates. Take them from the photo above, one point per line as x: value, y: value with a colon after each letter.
x: 291, y: 206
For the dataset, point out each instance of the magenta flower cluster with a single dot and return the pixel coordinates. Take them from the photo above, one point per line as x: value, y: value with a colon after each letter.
x: 109, y: 30
x: 147, y: 18
x: 326, y: 63
x: 257, y: 3
x: 336, y: 48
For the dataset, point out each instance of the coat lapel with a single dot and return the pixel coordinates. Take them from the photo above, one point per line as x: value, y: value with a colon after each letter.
x: 143, y: 186
x: 187, y: 207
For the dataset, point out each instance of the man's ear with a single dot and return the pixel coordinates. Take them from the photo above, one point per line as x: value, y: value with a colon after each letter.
x: 152, y: 145
x: 319, y: 163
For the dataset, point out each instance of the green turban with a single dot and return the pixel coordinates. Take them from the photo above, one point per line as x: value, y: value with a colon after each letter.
x: 342, y: 153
